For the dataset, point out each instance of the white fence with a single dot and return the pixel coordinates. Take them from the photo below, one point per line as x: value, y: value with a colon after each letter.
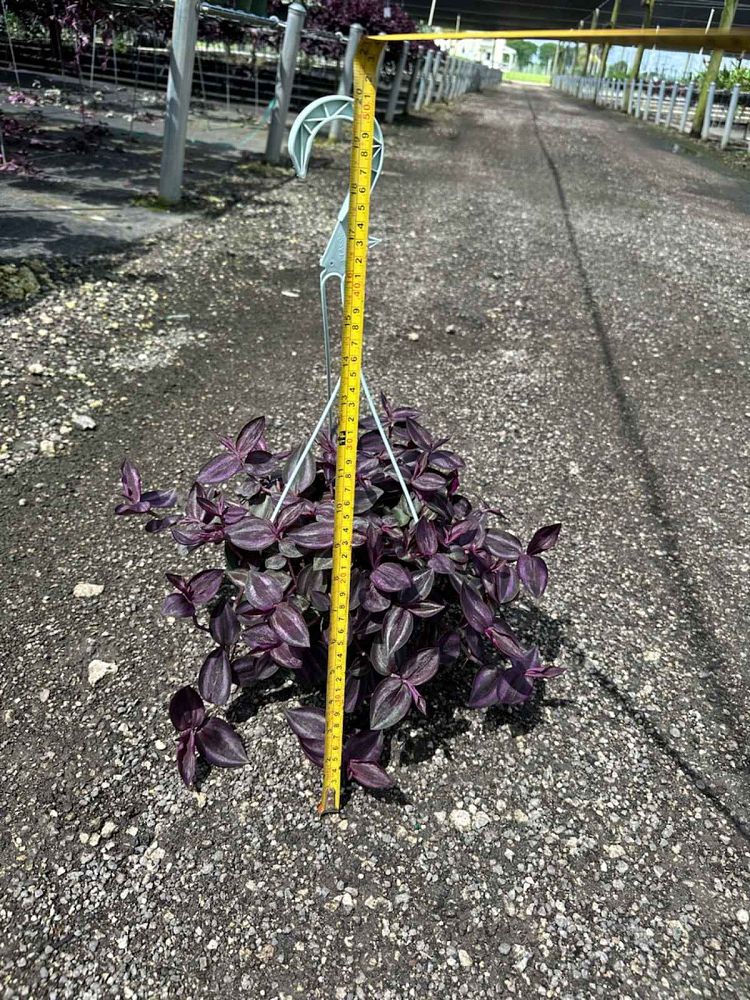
x: 670, y: 105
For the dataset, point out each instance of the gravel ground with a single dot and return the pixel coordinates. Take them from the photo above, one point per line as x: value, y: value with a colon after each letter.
x: 579, y: 297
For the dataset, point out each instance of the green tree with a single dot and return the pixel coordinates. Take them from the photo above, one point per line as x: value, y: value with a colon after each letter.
x: 618, y: 70
x: 525, y: 52
x: 546, y: 52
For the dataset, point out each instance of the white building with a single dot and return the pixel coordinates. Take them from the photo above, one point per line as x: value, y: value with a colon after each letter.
x: 493, y: 52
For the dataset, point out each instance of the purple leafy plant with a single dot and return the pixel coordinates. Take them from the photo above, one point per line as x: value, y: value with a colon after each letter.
x: 425, y: 598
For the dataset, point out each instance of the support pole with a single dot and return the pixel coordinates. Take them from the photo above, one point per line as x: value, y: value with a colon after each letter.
x: 393, y: 97
x: 688, y: 102
x: 672, y: 102
x: 179, y: 89
x: 424, y: 80
x: 647, y: 104
x: 285, y: 70
x: 714, y: 64
x: 613, y: 24
x: 635, y: 69
x: 416, y: 72
x: 433, y: 77
x: 660, y: 102
x: 345, y: 83
x: 589, y: 46
x: 731, y: 112
x: 707, y: 111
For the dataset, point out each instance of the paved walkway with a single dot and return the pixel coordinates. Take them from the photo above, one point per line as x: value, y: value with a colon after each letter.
x: 580, y: 295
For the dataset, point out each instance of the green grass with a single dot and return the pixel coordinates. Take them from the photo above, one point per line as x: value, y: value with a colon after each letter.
x: 519, y: 77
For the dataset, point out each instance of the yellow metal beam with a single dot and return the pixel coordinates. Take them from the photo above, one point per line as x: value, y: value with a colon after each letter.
x: 682, y: 39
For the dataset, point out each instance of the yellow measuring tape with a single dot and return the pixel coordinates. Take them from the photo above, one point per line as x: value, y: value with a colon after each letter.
x: 360, y: 177
x: 365, y: 73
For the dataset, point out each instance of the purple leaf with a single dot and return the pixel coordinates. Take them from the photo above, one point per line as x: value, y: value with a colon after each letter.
x: 251, y: 669
x: 186, y: 709
x: 285, y: 656
x: 426, y: 609
x: 533, y: 573
x: 186, y: 757
x: 131, y: 481
x: 204, y: 586
x: 544, y: 539
x: 417, y: 698
x: 307, y: 723
x: 364, y: 746
x: 426, y: 537
x: 505, y: 643
x: 476, y: 612
x: 177, y: 606
x: 160, y: 498
x: 160, y: 523
x: 219, y: 469
x: 418, y: 434
x: 422, y: 583
x: 250, y: 436
x: 484, y: 688
x: 260, y: 638
x: 133, y: 508
x: 215, y: 678
x: 428, y: 482
x: 450, y: 647
x: 513, y: 687
x: 263, y: 592
x: 390, y: 703
x: 224, y: 625
x: 369, y: 775
x: 374, y: 601
x: 422, y: 666
x: 441, y: 563
x: 503, y: 545
x: 317, y: 535
x: 390, y: 577
x: 220, y: 744
x: 445, y: 461
x: 397, y: 628
x: 253, y: 534
x: 290, y: 626
x: 305, y: 476
x: 506, y: 584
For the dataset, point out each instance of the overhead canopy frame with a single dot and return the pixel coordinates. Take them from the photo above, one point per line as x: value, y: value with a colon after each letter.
x: 736, y: 40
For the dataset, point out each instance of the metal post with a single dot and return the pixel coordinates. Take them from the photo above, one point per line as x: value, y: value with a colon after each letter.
x: 443, y: 86
x: 589, y: 47
x: 714, y: 64
x: 423, y: 80
x: 347, y: 72
x: 706, y: 127
x: 638, y: 99
x: 179, y: 88
x: 731, y: 112
x: 688, y: 102
x: 647, y: 105
x: 672, y: 102
x: 413, y: 82
x: 285, y: 69
x: 433, y: 77
x: 396, y: 85
x: 660, y: 101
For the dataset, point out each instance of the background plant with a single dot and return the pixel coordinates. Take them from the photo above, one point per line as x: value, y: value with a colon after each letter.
x: 425, y: 597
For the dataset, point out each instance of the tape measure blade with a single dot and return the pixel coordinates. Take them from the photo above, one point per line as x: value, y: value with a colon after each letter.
x: 357, y: 245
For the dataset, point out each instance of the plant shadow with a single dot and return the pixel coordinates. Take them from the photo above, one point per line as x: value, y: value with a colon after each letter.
x: 419, y: 739
x: 252, y: 699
